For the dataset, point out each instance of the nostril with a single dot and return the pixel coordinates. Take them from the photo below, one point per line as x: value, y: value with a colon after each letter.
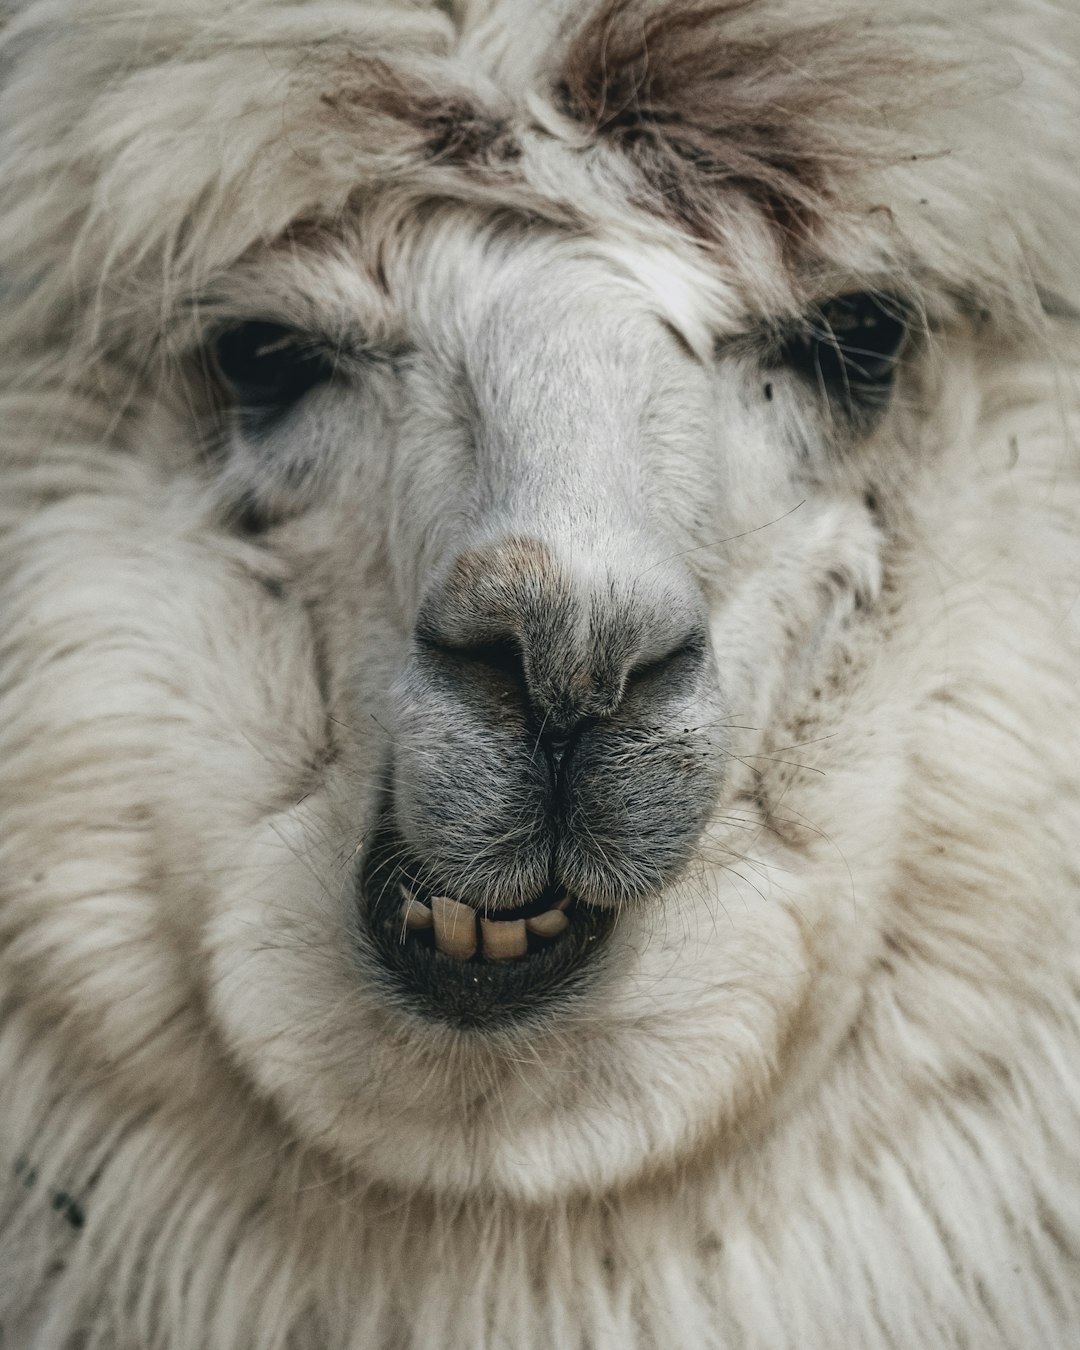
x: 499, y: 656
x: 685, y: 657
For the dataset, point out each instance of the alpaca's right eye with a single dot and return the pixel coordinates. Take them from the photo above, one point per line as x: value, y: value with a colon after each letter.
x: 267, y: 367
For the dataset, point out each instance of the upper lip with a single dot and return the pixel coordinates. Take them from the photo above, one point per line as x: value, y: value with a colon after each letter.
x: 414, y: 878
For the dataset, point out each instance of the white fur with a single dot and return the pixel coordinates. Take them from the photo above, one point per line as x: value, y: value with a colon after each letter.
x: 824, y: 1091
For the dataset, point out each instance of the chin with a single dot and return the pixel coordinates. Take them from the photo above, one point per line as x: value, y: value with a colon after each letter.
x: 538, y: 708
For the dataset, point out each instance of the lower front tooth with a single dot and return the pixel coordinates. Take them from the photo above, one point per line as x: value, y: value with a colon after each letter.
x: 504, y: 941
x: 455, y: 927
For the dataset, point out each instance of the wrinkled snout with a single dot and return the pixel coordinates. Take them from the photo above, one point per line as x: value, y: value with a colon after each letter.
x: 549, y: 735
x: 554, y: 760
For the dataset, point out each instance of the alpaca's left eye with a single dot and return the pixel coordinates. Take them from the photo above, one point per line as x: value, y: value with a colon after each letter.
x: 849, y: 349
x: 267, y: 367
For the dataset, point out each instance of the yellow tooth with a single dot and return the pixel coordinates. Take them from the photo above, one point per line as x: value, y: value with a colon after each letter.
x: 455, y: 927
x: 549, y: 924
x: 562, y: 904
x: 414, y: 912
x: 504, y: 941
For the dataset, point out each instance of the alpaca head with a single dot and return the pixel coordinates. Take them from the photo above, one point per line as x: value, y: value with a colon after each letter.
x: 568, y: 538
x: 512, y: 484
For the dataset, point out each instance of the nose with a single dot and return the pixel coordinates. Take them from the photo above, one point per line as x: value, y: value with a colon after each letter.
x: 567, y: 636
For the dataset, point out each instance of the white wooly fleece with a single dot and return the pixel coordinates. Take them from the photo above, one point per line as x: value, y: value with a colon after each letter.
x: 914, y: 1185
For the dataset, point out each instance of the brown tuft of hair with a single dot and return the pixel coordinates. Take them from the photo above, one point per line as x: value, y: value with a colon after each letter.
x: 446, y: 125
x: 708, y: 98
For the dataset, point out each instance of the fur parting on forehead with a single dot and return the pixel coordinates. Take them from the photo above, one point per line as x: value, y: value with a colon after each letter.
x: 720, y: 99
x: 695, y: 300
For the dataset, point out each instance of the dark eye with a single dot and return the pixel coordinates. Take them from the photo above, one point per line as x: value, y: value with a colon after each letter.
x: 849, y: 349
x: 268, y: 367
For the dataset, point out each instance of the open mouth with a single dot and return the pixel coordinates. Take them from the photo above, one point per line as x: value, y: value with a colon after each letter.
x: 454, y: 961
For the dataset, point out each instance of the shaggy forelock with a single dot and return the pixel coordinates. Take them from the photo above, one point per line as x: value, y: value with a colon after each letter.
x: 766, y: 135
x: 715, y: 99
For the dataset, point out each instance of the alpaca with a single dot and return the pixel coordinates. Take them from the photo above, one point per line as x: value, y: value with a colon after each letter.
x: 539, y: 756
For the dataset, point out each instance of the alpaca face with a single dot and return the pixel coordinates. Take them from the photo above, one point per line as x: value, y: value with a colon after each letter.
x: 538, y: 553
x: 555, y: 566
